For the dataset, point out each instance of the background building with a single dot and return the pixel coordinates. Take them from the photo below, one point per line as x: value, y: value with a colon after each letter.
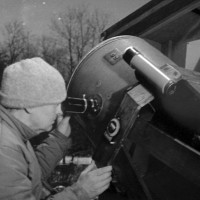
x: 173, y: 26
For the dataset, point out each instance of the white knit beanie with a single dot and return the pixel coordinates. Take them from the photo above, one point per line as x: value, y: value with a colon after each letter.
x: 31, y: 83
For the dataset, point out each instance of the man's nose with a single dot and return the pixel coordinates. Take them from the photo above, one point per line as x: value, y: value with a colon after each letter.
x: 59, y: 110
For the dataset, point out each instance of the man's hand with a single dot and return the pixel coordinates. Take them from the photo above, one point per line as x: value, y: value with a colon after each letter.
x: 63, y: 125
x: 95, y: 181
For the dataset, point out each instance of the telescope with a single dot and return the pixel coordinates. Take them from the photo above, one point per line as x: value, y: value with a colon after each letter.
x: 142, y: 116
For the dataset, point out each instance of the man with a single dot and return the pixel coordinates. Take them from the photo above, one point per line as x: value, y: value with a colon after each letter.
x: 31, y: 95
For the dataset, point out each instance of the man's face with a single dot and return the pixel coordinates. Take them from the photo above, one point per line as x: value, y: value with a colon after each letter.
x: 42, y: 118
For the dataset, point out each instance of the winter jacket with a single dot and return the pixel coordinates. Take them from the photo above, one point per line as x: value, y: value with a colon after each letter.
x: 22, y: 169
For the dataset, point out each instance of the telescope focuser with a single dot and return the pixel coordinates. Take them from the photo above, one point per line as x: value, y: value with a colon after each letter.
x: 82, y: 105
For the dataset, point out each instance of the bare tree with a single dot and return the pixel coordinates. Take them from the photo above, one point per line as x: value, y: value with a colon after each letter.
x: 54, y: 54
x: 78, y: 30
x: 97, y: 22
x: 3, y: 60
x: 17, y: 42
x: 47, y: 49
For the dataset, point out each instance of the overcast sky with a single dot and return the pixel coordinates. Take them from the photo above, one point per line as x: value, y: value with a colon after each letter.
x: 36, y: 14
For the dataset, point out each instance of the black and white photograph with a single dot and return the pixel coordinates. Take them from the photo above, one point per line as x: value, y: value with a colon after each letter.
x: 99, y: 99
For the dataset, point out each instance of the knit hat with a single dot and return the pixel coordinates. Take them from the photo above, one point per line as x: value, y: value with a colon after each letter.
x: 31, y: 83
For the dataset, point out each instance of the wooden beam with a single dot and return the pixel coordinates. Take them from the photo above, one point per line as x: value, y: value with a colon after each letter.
x: 150, y: 17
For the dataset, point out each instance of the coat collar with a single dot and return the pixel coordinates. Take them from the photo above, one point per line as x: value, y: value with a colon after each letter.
x: 23, y: 131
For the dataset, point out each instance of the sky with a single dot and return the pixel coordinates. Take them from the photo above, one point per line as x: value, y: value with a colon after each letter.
x: 36, y: 14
